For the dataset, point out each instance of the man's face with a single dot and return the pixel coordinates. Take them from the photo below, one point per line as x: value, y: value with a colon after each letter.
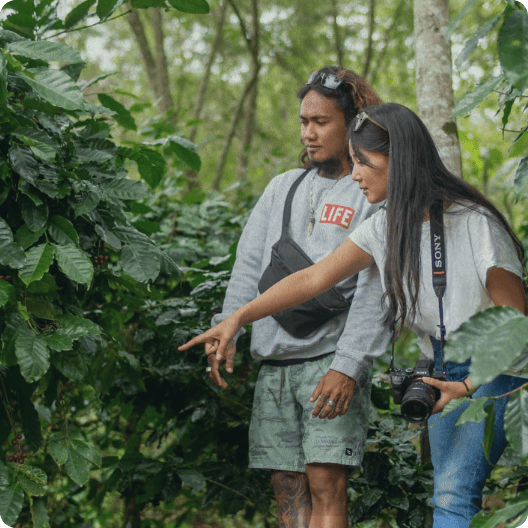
x: 323, y: 130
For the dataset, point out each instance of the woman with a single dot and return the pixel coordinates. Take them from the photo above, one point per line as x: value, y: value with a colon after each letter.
x: 395, y: 159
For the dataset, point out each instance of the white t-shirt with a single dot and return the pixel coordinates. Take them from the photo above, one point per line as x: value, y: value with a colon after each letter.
x: 474, y: 243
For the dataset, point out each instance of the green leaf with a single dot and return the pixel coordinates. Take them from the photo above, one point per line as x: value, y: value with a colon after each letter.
x: 74, y: 263
x: 33, y: 480
x: 6, y: 476
x: 99, y: 150
x: 151, y: 164
x: 45, y: 50
x: 515, y: 508
x: 3, y: 78
x: 78, y: 13
x: 185, y: 151
x: 39, y: 514
x: 489, y: 430
x: 520, y: 184
x: 456, y: 20
x: 24, y: 163
x: 55, y: 86
x: 105, y: 8
x: 7, y: 292
x: 38, y: 261
x: 35, y: 216
x: 26, y: 238
x: 33, y: 355
x: 45, y: 285
x: 146, y: 4
x: 59, y: 342
x: 88, y: 451
x: 11, y: 502
x: 73, y: 364
x: 494, y: 338
x: 475, y: 411
x: 87, y: 200
x: 473, y: 99
x: 122, y: 115
x: 74, y: 326
x: 194, y: 196
x: 139, y: 262
x: 472, y: 42
x: 513, y: 48
x: 516, y: 421
x: 125, y: 189
x: 192, y: 478
x: 42, y: 309
x: 57, y: 448
x: 12, y: 255
x: 197, y: 7
x: 77, y: 467
x: 62, y: 231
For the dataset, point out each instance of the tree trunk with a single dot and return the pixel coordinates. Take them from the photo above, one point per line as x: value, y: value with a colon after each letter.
x: 162, y: 69
x: 252, y: 42
x: 209, y: 64
x: 131, y: 510
x: 433, y: 79
x: 231, y: 133
x: 368, y: 54
x: 249, y: 131
x: 338, y: 40
x: 190, y: 174
x: 251, y: 106
x: 138, y: 30
x: 155, y: 64
x: 383, y: 57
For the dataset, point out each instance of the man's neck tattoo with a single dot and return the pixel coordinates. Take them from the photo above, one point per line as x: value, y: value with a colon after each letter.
x: 330, y: 168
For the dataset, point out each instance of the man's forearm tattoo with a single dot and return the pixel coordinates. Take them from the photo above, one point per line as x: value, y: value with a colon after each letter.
x: 294, y: 502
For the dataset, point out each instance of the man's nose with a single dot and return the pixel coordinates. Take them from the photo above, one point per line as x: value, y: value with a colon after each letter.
x: 309, y: 131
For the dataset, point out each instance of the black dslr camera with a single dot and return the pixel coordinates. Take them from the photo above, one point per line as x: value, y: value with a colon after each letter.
x: 416, y: 398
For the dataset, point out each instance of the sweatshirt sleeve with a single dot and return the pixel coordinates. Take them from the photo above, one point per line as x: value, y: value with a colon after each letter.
x: 243, y: 284
x: 364, y: 337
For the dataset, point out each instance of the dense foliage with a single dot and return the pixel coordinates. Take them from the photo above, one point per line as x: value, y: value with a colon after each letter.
x: 103, y: 276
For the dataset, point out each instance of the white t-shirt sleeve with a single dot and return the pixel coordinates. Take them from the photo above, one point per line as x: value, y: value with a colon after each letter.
x: 492, y: 246
x: 369, y: 235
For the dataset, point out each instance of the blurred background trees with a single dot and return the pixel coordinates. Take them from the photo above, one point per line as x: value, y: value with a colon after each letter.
x: 135, y: 138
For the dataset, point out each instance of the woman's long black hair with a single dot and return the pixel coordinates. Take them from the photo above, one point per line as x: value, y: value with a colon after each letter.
x: 417, y: 178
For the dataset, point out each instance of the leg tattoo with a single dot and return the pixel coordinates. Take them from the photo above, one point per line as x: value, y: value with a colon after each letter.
x: 294, y: 503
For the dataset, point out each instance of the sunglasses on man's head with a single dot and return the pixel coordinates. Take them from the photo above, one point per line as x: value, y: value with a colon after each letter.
x: 361, y: 118
x: 328, y: 80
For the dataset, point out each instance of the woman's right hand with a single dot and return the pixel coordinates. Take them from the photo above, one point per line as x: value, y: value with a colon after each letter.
x: 219, y: 338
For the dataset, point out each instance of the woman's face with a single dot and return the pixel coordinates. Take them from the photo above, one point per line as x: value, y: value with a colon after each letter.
x: 371, y: 172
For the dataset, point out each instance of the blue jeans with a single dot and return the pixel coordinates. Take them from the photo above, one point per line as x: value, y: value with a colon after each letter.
x: 460, y: 466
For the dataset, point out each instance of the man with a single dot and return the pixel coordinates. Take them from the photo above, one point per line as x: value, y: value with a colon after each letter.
x: 303, y: 427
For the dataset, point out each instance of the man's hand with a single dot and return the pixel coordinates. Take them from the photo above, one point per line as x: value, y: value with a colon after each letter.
x: 449, y: 390
x: 214, y: 363
x: 337, y: 388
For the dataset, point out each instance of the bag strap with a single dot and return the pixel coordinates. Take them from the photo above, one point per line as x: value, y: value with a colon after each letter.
x: 438, y: 255
x: 438, y: 262
x: 288, y: 204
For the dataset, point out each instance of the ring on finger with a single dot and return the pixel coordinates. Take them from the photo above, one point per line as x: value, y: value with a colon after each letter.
x: 208, y: 369
x: 331, y: 403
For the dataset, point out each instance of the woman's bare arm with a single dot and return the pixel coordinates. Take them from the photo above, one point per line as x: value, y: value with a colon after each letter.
x: 348, y: 259
x: 506, y: 289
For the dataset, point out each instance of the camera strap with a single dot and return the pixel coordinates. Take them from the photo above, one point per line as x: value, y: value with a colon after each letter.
x: 438, y: 262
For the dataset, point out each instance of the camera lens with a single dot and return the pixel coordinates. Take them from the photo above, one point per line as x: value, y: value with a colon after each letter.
x: 418, y: 402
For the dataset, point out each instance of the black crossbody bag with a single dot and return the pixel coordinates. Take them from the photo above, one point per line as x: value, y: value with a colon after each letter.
x: 287, y: 257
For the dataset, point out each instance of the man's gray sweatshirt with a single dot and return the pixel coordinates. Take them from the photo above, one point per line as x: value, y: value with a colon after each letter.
x: 340, y: 206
